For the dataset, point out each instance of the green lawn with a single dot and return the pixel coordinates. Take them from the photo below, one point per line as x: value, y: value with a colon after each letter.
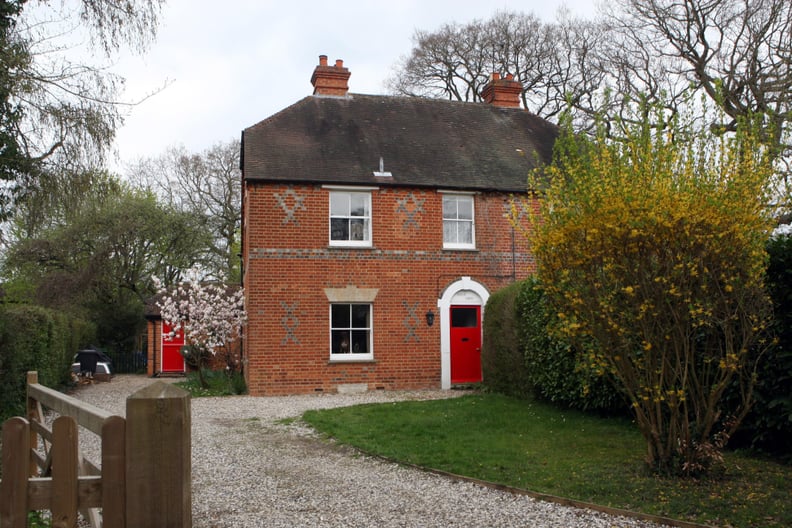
x: 565, y: 453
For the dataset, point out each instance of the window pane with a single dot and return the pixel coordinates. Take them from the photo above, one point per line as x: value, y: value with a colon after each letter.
x: 339, y: 316
x: 339, y: 229
x: 465, y: 208
x: 449, y: 207
x: 464, y: 318
x: 350, y: 329
x: 359, y: 205
x: 465, y: 232
x: 360, y: 316
x: 341, y: 342
x: 357, y: 229
x: 339, y: 204
x: 449, y: 232
x: 360, y: 341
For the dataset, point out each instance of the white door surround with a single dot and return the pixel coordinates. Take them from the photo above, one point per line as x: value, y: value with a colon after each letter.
x: 464, y: 291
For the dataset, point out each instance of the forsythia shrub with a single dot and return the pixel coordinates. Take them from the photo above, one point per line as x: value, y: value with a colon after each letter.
x: 651, y: 250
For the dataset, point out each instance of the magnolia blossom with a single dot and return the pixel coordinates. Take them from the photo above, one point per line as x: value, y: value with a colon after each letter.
x: 209, y: 315
x: 782, y: 230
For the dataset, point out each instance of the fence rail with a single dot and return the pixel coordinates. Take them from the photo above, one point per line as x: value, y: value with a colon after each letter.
x: 42, y: 468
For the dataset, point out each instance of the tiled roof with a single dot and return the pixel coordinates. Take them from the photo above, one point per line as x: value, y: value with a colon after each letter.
x: 422, y: 142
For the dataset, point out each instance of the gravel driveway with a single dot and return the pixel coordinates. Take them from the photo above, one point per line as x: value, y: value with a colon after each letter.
x: 250, y: 471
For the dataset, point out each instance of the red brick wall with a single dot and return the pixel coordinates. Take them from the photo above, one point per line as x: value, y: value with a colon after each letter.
x: 288, y: 264
x: 154, y: 339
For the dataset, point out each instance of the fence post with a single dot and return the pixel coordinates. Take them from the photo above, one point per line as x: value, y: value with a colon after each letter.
x: 32, y: 408
x: 158, y: 451
x: 65, y: 472
x: 113, y: 472
x: 13, y: 488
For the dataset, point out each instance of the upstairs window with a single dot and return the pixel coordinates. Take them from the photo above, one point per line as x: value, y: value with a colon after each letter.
x: 458, y: 225
x: 350, y: 218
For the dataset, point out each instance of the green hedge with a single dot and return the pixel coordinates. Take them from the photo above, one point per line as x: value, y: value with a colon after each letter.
x: 521, y: 358
x: 768, y: 426
x: 34, y: 338
x: 502, y: 362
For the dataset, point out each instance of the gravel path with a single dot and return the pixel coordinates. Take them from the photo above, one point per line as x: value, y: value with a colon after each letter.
x: 250, y: 471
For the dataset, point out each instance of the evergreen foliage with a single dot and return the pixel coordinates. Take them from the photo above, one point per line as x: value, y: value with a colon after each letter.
x: 521, y: 358
x: 34, y: 338
x: 768, y: 426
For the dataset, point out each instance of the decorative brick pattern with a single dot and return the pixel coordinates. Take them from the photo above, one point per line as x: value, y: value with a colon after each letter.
x: 290, y: 322
x: 520, y: 207
x: 410, y: 208
x: 290, y: 202
x: 411, y: 321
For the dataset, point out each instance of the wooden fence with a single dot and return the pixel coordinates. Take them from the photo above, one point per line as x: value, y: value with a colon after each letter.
x: 144, y: 478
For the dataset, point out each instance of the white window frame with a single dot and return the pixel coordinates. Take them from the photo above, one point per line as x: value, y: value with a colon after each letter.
x: 472, y: 221
x: 351, y: 355
x: 368, y: 234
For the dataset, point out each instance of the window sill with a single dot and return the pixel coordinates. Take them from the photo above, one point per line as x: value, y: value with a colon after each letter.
x: 344, y: 361
x: 335, y: 246
x: 469, y: 249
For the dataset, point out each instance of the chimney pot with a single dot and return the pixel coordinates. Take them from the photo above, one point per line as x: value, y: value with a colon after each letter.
x: 330, y: 80
x: 504, y: 93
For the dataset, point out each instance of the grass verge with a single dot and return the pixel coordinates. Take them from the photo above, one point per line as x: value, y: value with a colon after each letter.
x: 538, y: 447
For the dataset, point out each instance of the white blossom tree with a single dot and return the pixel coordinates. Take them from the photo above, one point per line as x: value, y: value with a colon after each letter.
x: 211, y: 316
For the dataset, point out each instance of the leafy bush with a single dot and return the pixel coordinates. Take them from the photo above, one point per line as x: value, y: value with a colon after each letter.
x: 769, y: 424
x: 554, y: 368
x: 34, y: 338
x: 520, y: 358
x: 502, y: 362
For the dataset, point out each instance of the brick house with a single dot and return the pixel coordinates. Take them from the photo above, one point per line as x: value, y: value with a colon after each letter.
x: 374, y: 229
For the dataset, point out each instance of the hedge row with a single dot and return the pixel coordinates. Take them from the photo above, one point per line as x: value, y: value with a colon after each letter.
x: 519, y: 358
x: 34, y: 338
x: 768, y: 426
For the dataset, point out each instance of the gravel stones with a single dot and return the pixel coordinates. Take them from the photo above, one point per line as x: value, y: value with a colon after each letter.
x: 250, y: 469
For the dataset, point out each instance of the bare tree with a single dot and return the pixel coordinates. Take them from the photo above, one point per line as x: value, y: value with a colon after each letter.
x: 554, y: 62
x: 737, y: 52
x: 207, y: 184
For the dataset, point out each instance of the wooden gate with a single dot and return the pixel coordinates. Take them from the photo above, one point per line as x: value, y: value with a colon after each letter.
x: 129, y: 484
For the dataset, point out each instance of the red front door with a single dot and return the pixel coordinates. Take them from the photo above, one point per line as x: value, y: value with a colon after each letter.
x: 172, y: 360
x: 465, y: 344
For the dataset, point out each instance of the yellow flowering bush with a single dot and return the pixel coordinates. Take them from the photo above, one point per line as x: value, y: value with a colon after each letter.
x: 652, y: 250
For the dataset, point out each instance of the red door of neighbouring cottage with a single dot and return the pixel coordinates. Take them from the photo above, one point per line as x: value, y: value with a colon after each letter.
x: 172, y: 360
x: 465, y: 344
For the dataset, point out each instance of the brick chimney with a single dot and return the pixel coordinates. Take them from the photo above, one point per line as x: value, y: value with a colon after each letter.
x: 502, y: 92
x: 330, y: 80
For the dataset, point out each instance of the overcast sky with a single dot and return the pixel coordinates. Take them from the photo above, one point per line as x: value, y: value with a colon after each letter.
x: 230, y: 65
